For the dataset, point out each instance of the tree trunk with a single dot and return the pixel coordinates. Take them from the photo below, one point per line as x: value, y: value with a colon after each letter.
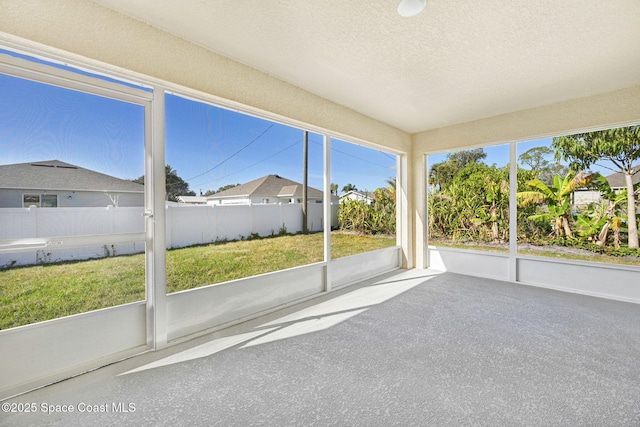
x: 601, y: 240
x: 602, y: 237
x: 557, y: 227
x: 495, y: 229
x: 631, y: 212
x: 565, y: 226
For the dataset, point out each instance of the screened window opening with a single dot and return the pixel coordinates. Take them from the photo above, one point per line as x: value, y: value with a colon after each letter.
x: 363, y: 192
x: 89, y: 252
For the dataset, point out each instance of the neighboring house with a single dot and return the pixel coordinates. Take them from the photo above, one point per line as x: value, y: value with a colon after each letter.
x: 360, y: 196
x: 266, y: 190
x: 192, y: 200
x: 617, y: 182
x: 52, y: 183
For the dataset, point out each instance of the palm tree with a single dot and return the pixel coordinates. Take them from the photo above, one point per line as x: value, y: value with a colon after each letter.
x: 349, y: 187
x: 391, y: 188
x: 557, y: 199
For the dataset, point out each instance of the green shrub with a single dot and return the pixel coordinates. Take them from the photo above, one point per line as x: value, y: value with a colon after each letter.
x: 379, y: 217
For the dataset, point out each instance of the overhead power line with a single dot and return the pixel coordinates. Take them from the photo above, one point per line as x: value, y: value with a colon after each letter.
x: 251, y: 165
x: 231, y: 156
x: 359, y: 158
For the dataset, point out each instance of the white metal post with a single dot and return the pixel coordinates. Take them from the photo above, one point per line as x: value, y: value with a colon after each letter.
x: 400, y: 213
x: 155, y: 223
x: 425, y: 218
x: 405, y: 209
x: 513, y: 211
x: 327, y: 211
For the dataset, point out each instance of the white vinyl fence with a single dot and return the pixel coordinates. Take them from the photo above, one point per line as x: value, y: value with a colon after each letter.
x: 186, y: 226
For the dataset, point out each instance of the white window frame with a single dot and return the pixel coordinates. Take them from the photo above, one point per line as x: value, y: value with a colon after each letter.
x: 43, y: 196
x: 154, y: 236
x: 25, y: 205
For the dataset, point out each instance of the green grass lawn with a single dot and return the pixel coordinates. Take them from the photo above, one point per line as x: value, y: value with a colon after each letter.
x: 34, y: 294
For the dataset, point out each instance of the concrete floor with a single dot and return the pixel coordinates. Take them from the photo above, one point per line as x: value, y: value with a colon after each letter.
x: 410, y: 348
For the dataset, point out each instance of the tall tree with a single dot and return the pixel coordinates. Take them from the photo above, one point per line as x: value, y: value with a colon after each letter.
x: 620, y: 146
x: 443, y: 173
x: 463, y: 158
x: 334, y: 189
x: 536, y: 159
x: 226, y: 187
x: 175, y: 186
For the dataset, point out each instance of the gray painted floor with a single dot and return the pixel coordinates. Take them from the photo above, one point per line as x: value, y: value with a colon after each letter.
x: 407, y: 349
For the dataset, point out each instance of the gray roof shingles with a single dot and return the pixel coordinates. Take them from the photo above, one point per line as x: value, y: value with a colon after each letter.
x: 268, y: 186
x: 616, y: 180
x: 57, y: 175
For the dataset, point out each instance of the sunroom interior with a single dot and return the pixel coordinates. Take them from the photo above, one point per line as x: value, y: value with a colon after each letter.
x: 459, y: 75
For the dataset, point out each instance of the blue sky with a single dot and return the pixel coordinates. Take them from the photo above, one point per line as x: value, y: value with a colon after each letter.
x: 211, y: 147
x: 208, y: 146
x: 499, y: 155
x: 43, y: 122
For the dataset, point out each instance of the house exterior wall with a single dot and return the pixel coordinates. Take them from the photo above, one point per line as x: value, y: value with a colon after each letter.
x: 13, y: 198
x: 358, y: 197
x: 584, y: 197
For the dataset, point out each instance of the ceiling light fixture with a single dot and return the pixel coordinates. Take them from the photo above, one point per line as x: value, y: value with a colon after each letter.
x: 409, y: 8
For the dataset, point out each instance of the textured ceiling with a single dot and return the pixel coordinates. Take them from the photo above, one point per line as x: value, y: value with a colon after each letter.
x: 459, y: 60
